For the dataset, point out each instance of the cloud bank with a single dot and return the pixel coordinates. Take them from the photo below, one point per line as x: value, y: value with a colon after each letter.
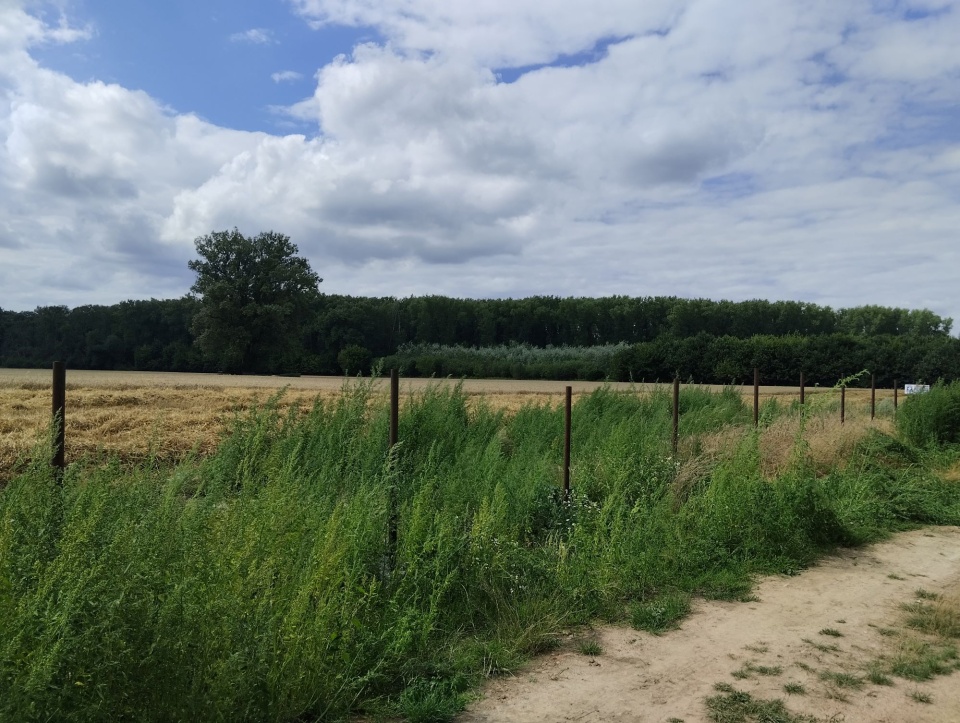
x: 804, y: 151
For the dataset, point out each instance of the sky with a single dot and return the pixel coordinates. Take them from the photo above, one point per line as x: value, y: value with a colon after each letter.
x: 800, y: 149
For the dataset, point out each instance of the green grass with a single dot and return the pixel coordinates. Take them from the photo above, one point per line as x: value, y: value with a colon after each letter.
x: 260, y: 584
x: 662, y: 613
x: 933, y: 418
x: 876, y: 676
x: 820, y: 647
x: 922, y: 659
x: 940, y: 619
x: 589, y: 647
x: 748, y: 669
x: 734, y: 706
x: 842, y: 680
x: 933, y: 652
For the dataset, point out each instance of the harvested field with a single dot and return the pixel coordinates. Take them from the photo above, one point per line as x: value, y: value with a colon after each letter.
x: 169, y: 415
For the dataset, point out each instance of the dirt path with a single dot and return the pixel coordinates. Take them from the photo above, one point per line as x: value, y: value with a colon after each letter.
x: 641, y: 677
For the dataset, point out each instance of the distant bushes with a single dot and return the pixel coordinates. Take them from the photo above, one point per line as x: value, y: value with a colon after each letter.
x: 702, y: 358
x: 507, y: 361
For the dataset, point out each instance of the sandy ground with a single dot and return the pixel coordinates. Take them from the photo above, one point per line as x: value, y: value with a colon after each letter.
x: 641, y: 677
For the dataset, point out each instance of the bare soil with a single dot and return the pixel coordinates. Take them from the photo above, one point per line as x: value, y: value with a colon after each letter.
x: 641, y: 677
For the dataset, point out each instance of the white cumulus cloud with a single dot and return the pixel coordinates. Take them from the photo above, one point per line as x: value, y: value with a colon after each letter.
x: 689, y: 147
x: 285, y: 76
x: 256, y: 36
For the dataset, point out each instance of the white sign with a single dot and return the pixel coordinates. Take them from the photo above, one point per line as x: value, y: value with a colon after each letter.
x: 916, y: 388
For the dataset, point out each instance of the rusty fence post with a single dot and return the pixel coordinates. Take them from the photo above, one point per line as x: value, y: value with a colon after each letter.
x: 802, y: 389
x: 568, y: 397
x: 675, y: 436
x: 394, y: 438
x: 895, y: 400
x: 756, y: 397
x: 873, y: 396
x: 394, y: 407
x: 59, y: 415
x: 843, y: 403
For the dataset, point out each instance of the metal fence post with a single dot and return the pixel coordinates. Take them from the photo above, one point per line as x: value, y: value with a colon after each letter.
x: 566, y: 441
x: 756, y: 396
x: 394, y: 438
x: 675, y: 437
x: 59, y: 415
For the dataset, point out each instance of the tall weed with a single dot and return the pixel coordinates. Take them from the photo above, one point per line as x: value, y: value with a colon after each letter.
x: 932, y: 418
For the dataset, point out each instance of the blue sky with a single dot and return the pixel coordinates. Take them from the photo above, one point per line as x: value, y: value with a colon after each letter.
x: 806, y: 149
x: 216, y: 58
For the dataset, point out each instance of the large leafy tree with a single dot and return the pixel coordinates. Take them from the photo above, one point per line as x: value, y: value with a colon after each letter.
x: 255, y: 300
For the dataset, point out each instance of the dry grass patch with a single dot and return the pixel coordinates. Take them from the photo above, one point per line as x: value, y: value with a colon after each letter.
x: 952, y: 473
x: 133, y: 423
x: 828, y: 443
x: 163, y: 419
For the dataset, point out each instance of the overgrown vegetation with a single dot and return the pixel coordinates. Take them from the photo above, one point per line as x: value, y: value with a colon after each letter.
x: 259, y: 583
x: 933, y: 418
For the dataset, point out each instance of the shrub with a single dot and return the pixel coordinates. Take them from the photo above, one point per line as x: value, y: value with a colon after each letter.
x: 933, y: 418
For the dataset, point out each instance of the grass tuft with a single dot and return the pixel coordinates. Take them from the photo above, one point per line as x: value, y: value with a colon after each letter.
x: 842, y: 680
x: 748, y: 669
x: 590, y: 648
x: 662, y: 613
x: 917, y: 659
x: 942, y: 618
x: 821, y: 647
x: 733, y: 706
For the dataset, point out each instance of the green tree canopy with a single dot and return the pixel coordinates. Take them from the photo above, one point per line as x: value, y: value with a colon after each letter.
x: 255, y: 299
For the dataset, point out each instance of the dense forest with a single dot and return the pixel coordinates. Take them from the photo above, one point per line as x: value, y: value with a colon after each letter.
x: 619, y: 338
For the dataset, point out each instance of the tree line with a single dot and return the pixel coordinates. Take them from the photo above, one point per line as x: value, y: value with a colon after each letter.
x: 255, y: 307
x: 652, y: 338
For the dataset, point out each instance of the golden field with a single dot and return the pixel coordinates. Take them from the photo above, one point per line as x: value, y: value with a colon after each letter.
x: 169, y: 415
